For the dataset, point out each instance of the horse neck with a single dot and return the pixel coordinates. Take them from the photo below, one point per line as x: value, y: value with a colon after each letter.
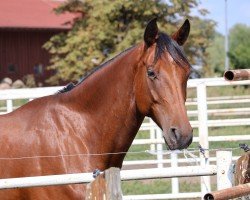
x: 107, y: 100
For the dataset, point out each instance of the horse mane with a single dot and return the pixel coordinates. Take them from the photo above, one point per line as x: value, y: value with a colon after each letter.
x: 163, y: 43
x: 66, y: 88
x: 71, y: 85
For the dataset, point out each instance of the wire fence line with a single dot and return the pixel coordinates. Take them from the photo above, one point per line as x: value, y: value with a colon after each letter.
x: 148, y: 151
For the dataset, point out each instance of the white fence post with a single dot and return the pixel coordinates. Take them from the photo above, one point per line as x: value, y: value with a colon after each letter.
x: 175, y: 181
x: 224, y: 169
x: 9, y: 103
x: 159, y: 148
x: 203, y: 133
x: 152, y: 134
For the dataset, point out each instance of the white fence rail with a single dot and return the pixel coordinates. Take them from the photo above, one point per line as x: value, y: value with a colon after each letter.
x: 140, y: 174
x: 79, y: 178
x: 156, y: 142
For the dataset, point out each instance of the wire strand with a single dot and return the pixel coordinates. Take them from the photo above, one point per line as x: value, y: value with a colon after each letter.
x: 152, y: 152
x: 70, y: 155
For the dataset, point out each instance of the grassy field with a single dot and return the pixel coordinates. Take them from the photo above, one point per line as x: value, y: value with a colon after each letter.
x: 159, y: 186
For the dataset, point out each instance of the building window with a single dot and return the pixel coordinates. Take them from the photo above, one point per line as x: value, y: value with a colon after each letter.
x: 11, y: 68
x: 38, y: 70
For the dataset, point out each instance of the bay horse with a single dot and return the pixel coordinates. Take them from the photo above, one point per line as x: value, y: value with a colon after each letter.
x: 100, y: 115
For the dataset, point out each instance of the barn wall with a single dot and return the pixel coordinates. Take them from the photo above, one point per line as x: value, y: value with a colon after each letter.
x: 23, y: 50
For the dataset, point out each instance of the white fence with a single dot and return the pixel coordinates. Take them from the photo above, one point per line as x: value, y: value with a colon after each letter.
x: 223, y: 171
x: 156, y: 142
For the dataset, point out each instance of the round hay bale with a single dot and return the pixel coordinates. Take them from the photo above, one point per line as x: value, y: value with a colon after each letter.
x: 4, y: 86
x: 7, y: 80
x: 18, y: 84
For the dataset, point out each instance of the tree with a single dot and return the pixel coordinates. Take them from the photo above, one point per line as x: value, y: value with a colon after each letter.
x: 216, y: 55
x: 239, y: 52
x: 110, y: 26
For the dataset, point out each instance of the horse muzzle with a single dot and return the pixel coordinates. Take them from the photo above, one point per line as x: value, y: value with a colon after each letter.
x: 176, y: 139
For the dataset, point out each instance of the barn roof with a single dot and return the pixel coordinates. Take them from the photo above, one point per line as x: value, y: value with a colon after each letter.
x: 33, y: 14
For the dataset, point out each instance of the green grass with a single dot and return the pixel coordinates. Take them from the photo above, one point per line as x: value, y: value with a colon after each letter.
x: 159, y: 186
x: 145, y: 187
x: 220, y: 91
x: 138, y: 148
x: 16, y: 103
x: 227, y: 91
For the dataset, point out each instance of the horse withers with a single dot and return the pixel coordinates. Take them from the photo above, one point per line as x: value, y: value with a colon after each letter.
x: 84, y: 127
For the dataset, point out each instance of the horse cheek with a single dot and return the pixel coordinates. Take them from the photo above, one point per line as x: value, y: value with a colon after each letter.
x: 143, y: 99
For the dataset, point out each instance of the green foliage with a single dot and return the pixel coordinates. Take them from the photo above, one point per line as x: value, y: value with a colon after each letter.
x: 29, y: 80
x: 107, y: 27
x: 239, y: 52
x: 216, y: 55
x: 202, y: 32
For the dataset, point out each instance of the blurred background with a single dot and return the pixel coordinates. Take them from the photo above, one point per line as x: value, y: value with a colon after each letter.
x: 52, y: 42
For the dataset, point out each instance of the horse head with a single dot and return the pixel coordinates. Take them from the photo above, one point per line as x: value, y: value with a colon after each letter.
x: 161, y: 83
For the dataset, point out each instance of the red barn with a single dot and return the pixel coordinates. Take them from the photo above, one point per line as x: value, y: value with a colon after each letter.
x: 25, y: 25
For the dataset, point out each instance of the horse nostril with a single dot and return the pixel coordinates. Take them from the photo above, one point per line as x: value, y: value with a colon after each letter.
x: 175, y: 133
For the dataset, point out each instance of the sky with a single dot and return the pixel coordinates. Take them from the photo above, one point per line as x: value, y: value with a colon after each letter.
x: 238, y: 11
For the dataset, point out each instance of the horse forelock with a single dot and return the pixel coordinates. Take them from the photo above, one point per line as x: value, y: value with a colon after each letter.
x: 166, y: 43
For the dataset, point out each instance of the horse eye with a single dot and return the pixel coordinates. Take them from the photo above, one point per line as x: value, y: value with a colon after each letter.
x: 151, y: 73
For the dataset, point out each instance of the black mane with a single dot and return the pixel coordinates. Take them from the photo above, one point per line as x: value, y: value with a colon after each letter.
x: 66, y: 88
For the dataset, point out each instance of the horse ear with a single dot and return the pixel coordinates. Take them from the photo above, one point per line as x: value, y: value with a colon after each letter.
x: 182, y: 34
x: 151, y: 32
